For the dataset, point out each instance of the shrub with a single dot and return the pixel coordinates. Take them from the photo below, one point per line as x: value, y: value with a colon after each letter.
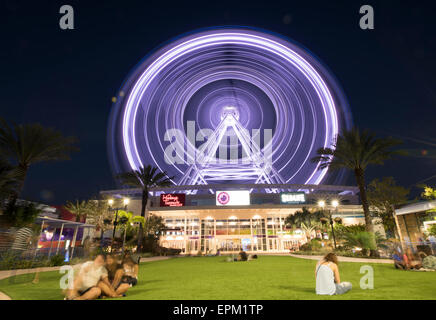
x: 429, y: 262
x: 432, y: 230
x: 361, y: 239
x: 341, y: 231
x: 57, y: 260
x: 8, y: 260
x: 312, y: 245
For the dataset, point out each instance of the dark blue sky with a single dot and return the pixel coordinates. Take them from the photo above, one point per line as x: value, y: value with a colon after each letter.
x: 65, y: 79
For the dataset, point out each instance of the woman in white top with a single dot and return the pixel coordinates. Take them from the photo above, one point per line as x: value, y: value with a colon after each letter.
x: 328, y: 281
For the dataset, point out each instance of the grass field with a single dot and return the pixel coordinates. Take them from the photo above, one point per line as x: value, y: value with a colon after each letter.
x: 269, y: 277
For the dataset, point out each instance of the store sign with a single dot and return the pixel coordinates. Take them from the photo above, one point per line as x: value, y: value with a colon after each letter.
x: 172, y: 200
x: 292, y: 197
x: 233, y: 198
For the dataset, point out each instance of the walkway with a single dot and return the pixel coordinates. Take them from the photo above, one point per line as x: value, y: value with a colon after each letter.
x: 10, y: 273
x: 345, y: 259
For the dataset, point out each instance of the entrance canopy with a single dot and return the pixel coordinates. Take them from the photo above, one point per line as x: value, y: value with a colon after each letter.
x: 416, y: 207
x: 58, y: 223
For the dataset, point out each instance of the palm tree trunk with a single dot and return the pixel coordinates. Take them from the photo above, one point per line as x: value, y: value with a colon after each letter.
x: 360, y: 179
x: 141, y: 228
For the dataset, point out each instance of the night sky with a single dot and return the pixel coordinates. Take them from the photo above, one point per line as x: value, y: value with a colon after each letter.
x: 66, y: 78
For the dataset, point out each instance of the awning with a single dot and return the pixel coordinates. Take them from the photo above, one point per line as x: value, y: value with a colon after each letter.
x: 416, y: 207
x: 59, y: 222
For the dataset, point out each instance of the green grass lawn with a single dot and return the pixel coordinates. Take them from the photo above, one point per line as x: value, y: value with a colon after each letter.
x: 269, y: 277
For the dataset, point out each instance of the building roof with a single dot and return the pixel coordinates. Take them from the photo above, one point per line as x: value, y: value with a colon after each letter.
x: 59, y: 222
x: 416, y: 207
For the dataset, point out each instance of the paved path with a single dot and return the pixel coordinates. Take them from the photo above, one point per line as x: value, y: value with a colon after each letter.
x: 10, y: 273
x: 345, y: 259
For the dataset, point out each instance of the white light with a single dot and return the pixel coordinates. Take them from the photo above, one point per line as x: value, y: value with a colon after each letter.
x: 256, y: 217
x: 126, y: 201
x: 321, y: 203
x: 111, y: 202
x: 335, y: 203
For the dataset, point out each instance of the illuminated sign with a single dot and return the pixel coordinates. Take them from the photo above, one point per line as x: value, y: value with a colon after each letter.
x: 292, y: 197
x: 172, y: 200
x: 233, y: 198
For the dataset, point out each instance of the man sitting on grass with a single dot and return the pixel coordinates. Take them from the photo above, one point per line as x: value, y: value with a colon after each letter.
x: 86, y: 284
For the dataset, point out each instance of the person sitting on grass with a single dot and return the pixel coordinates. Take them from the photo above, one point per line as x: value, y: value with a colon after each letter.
x: 328, y: 281
x: 115, y: 273
x: 242, y: 256
x: 413, y: 260
x: 88, y: 283
x: 399, y: 261
x: 129, y: 278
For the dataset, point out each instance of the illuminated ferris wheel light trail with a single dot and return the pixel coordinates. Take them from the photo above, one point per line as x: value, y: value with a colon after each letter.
x: 229, y: 79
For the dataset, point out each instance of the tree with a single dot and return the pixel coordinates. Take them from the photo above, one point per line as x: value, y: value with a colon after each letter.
x: 154, y: 225
x: 128, y: 223
x: 356, y: 150
x: 383, y: 195
x: 97, y: 213
x: 306, y: 220
x: 79, y: 208
x: 144, y: 179
x: 429, y: 193
x: 432, y: 230
x: 27, y: 144
x: 9, y: 180
x: 21, y: 214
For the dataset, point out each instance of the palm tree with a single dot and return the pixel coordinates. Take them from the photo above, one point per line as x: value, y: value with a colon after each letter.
x: 79, y: 208
x: 9, y: 179
x: 97, y: 214
x: 306, y: 220
x: 356, y: 150
x: 144, y: 178
x: 27, y: 144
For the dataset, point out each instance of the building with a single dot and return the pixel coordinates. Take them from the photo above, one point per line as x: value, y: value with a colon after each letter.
x: 411, y: 222
x: 232, y: 217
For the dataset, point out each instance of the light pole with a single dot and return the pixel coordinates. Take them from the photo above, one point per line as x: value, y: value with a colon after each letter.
x: 335, y: 204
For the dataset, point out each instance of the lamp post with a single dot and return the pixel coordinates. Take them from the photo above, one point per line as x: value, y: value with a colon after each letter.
x: 335, y: 204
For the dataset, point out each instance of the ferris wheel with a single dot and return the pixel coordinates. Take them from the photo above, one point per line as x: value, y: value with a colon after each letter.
x: 230, y: 105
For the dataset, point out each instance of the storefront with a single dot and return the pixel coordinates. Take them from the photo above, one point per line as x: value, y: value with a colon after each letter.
x: 231, y: 218
x: 253, y: 229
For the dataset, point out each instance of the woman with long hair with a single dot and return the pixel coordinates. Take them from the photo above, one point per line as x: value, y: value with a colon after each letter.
x: 328, y: 281
x: 130, y: 274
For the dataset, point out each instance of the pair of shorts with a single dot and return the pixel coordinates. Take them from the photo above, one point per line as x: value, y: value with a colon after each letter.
x: 129, y: 280
x: 82, y: 292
